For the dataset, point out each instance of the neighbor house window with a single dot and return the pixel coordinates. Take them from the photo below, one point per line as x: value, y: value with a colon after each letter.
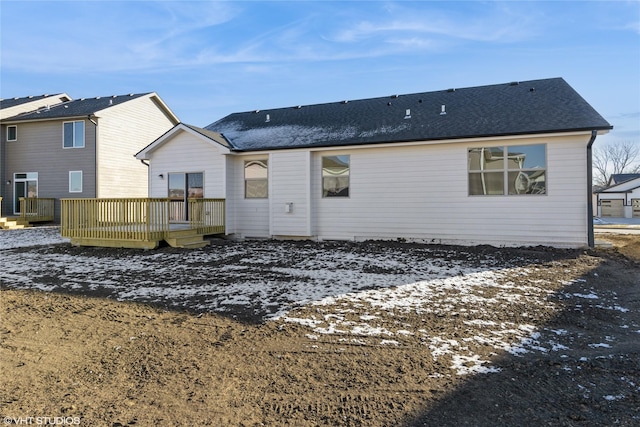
x: 335, y: 176
x: 75, y: 182
x: 73, y: 134
x: 511, y: 170
x: 256, y: 179
x: 12, y: 133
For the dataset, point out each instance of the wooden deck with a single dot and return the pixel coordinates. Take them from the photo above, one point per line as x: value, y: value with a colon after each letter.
x: 32, y: 209
x: 139, y: 223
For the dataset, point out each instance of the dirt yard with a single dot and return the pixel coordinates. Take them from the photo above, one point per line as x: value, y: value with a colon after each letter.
x: 311, y: 334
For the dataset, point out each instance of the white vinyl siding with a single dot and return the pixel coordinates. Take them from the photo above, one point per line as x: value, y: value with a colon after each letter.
x: 123, y: 130
x: 248, y: 218
x: 187, y: 154
x: 421, y: 192
x: 290, y: 193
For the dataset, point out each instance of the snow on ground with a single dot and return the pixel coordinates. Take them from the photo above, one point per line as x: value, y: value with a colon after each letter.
x: 30, y: 237
x: 354, y: 296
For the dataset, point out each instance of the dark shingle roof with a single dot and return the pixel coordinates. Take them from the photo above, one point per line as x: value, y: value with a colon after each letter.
x: 76, y: 108
x: 619, y: 178
x: 537, y: 106
x: 12, y: 102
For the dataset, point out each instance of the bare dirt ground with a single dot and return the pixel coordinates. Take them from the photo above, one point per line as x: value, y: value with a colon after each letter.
x: 560, y: 344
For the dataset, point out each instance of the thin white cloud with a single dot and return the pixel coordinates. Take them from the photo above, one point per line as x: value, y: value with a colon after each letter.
x: 493, y: 24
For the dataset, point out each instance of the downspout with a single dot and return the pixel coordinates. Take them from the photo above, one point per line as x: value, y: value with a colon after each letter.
x: 590, y: 237
x: 95, y: 155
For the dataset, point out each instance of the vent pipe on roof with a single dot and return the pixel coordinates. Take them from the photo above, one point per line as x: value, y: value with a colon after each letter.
x: 268, y: 119
x: 407, y: 114
x: 443, y: 110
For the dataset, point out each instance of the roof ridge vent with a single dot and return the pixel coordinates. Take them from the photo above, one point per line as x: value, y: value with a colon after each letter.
x: 514, y: 83
x: 298, y: 107
x: 453, y: 89
x: 344, y: 102
x: 394, y: 96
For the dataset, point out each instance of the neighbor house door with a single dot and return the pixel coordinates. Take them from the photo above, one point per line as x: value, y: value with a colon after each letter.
x: 24, y: 185
x: 182, y: 187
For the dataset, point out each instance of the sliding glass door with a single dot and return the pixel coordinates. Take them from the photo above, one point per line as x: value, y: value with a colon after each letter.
x: 24, y: 185
x: 182, y: 187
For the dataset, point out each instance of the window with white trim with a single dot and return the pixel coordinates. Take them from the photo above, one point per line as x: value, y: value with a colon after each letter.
x: 73, y: 134
x: 335, y: 176
x: 256, y: 179
x: 508, y: 170
x: 75, y: 182
x: 12, y: 133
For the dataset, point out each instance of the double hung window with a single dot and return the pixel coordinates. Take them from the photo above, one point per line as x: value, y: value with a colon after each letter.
x: 335, y: 176
x: 73, y: 134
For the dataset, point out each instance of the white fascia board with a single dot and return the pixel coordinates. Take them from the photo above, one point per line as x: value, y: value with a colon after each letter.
x: 144, y: 154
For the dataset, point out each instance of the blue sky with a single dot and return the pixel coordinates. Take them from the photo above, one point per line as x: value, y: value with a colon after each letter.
x: 210, y: 59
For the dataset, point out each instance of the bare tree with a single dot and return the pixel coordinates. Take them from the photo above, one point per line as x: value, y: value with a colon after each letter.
x: 615, y: 158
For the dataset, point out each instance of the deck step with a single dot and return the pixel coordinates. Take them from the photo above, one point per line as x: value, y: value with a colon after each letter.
x: 13, y: 223
x: 188, y: 239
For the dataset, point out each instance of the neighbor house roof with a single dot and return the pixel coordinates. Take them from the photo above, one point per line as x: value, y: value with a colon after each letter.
x: 625, y: 186
x: 81, y: 108
x: 619, y: 178
x: 517, y: 108
x: 13, y: 106
x: 12, y: 102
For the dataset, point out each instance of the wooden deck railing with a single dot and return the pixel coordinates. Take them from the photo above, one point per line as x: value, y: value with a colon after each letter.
x: 37, y: 209
x: 207, y: 215
x: 142, y: 219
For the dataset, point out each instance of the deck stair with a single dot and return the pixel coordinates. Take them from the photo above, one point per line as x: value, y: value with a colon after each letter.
x: 189, y: 239
x: 13, y: 223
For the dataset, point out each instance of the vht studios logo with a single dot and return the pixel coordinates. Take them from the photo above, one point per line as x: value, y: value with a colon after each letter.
x: 42, y: 421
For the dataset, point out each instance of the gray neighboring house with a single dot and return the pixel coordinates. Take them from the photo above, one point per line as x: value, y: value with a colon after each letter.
x: 621, y: 197
x: 62, y: 148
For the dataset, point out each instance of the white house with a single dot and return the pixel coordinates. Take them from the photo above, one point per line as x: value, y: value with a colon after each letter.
x: 622, y: 199
x: 505, y: 165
